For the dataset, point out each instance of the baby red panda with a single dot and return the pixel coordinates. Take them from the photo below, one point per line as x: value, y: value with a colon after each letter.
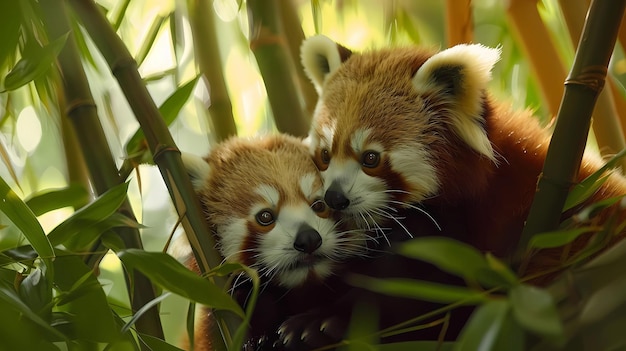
x: 403, y: 126
x: 262, y: 199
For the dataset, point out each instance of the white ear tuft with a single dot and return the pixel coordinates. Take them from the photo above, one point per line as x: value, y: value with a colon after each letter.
x: 320, y: 57
x: 197, y: 168
x: 462, y: 72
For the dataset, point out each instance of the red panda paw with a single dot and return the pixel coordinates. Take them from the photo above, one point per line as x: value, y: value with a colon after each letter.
x: 311, y: 330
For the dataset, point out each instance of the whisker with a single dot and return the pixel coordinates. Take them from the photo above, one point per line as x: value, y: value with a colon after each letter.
x: 419, y: 210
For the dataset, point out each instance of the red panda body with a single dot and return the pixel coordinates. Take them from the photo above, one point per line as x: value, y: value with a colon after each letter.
x: 400, y: 128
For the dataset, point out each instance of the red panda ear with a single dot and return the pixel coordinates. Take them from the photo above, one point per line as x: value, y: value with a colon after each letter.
x: 320, y: 57
x: 461, y: 74
x: 197, y: 168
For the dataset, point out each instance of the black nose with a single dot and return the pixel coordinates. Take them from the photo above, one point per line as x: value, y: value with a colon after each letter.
x: 335, y: 198
x: 307, y: 240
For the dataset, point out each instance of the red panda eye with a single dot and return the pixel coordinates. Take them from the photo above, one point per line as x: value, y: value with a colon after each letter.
x: 318, y: 206
x: 265, y: 217
x: 325, y: 155
x: 370, y: 159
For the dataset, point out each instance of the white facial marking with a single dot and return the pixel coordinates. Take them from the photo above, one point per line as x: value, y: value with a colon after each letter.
x: 413, y: 164
x: 306, y: 185
x: 269, y: 193
x: 276, y: 249
x: 232, y: 236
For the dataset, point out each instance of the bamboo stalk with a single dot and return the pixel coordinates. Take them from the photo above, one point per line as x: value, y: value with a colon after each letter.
x: 582, y: 88
x: 269, y: 45
x: 460, y: 28
x: 606, y: 123
x: 538, y: 47
x: 165, y: 153
x: 81, y: 111
x: 295, y: 36
x: 206, y: 48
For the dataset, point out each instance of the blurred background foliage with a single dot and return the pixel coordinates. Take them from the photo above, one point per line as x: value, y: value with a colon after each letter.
x: 225, y: 49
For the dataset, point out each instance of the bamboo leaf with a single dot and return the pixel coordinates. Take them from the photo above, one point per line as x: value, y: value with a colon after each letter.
x: 103, y: 207
x: 157, y: 300
x: 165, y: 271
x: 36, y: 292
x: 169, y: 111
x: 90, y: 231
x: 41, y: 202
x: 10, y: 298
x: 33, y: 64
x: 82, y: 292
x: 583, y: 190
x: 156, y: 344
x: 418, y: 289
x: 482, y: 331
x: 534, y: 309
x: 17, y: 211
x: 149, y: 39
x: 558, y: 238
x: 417, y: 346
x: 448, y: 254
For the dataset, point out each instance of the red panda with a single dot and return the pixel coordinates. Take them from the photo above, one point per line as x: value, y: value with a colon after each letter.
x: 398, y: 127
x: 262, y: 198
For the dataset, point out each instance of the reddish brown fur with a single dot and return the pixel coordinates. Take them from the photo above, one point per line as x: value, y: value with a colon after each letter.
x: 374, y: 91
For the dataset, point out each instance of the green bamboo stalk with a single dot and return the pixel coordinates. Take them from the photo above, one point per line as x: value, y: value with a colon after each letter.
x: 606, y: 123
x: 165, y: 153
x: 295, y: 35
x: 269, y: 45
x: 207, y: 52
x: 81, y: 111
x: 582, y: 88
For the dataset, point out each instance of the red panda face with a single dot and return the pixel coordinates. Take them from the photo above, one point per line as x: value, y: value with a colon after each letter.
x: 388, y: 121
x: 264, y: 200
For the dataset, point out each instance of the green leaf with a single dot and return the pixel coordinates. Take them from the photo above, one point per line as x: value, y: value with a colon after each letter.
x: 156, y: 344
x: 448, y: 254
x: 34, y: 64
x: 45, y: 201
x: 534, y: 309
x: 10, y: 299
x: 103, y: 207
x: 91, y: 231
x: 169, y: 111
x: 583, y: 190
x: 36, y: 292
x: 417, y: 346
x: 157, y: 300
x: 418, y: 289
x: 17, y: 211
x: 484, y: 327
x: 149, y: 39
x: 81, y: 293
x: 163, y: 270
x: 559, y: 237
x: 498, y: 274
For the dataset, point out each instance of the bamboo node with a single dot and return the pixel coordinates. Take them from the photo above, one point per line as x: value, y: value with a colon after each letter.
x: 559, y: 183
x: 161, y: 149
x: 122, y: 64
x: 592, y: 77
x: 77, y: 104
